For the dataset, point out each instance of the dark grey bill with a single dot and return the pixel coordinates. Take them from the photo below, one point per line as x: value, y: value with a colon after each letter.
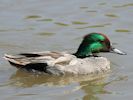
x: 114, y: 50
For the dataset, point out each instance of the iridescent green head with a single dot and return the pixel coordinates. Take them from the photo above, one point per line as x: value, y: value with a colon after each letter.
x: 95, y: 43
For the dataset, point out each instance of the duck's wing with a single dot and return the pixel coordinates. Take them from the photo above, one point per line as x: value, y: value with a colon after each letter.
x: 35, y: 60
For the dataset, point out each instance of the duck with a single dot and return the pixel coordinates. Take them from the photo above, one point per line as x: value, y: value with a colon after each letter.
x: 84, y: 61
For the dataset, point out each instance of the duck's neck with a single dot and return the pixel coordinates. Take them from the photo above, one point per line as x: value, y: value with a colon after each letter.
x: 83, y: 51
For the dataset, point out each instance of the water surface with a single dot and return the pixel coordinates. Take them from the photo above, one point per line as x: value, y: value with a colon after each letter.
x: 37, y: 25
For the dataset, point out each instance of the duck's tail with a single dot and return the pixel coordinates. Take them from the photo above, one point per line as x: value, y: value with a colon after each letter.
x: 13, y: 60
x: 21, y: 63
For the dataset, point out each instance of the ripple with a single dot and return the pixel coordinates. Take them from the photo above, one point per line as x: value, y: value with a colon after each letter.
x: 47, y: 20
x: 91, y: 11
x: 33, y: 17
x: 83, y: 7
x: 111, y: 15
x: 61, y: 24
x: 4, y: 30
x: 46, y: 33
x: 95, y: 26
x: 13, y: 29
x: 122, y: 30
x: 25, y: 94
x: 7, y: 45
x: 125, y: 5
x: 79, y: 23
x: 103, y: 3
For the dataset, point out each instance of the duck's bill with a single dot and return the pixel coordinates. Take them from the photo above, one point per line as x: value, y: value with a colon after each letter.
x: 114, y: 50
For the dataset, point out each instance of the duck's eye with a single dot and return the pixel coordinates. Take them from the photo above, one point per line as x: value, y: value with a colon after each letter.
x: 102, y: 41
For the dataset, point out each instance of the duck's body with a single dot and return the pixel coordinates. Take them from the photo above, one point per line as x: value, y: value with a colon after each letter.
x: 59, y: 63
x: 81, y: 62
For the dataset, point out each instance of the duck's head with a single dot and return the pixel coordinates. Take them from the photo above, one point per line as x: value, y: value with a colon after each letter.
x: 95, y: 43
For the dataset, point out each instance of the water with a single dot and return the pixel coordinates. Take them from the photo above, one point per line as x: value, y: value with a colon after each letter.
x: 37, y: 25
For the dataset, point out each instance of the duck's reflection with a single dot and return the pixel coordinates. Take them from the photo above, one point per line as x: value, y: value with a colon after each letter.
x: 24, y: 79
x: 90, y: 84
x: 93, y: 88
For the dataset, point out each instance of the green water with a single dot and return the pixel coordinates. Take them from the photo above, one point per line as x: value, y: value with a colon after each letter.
x: 38, y: 25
